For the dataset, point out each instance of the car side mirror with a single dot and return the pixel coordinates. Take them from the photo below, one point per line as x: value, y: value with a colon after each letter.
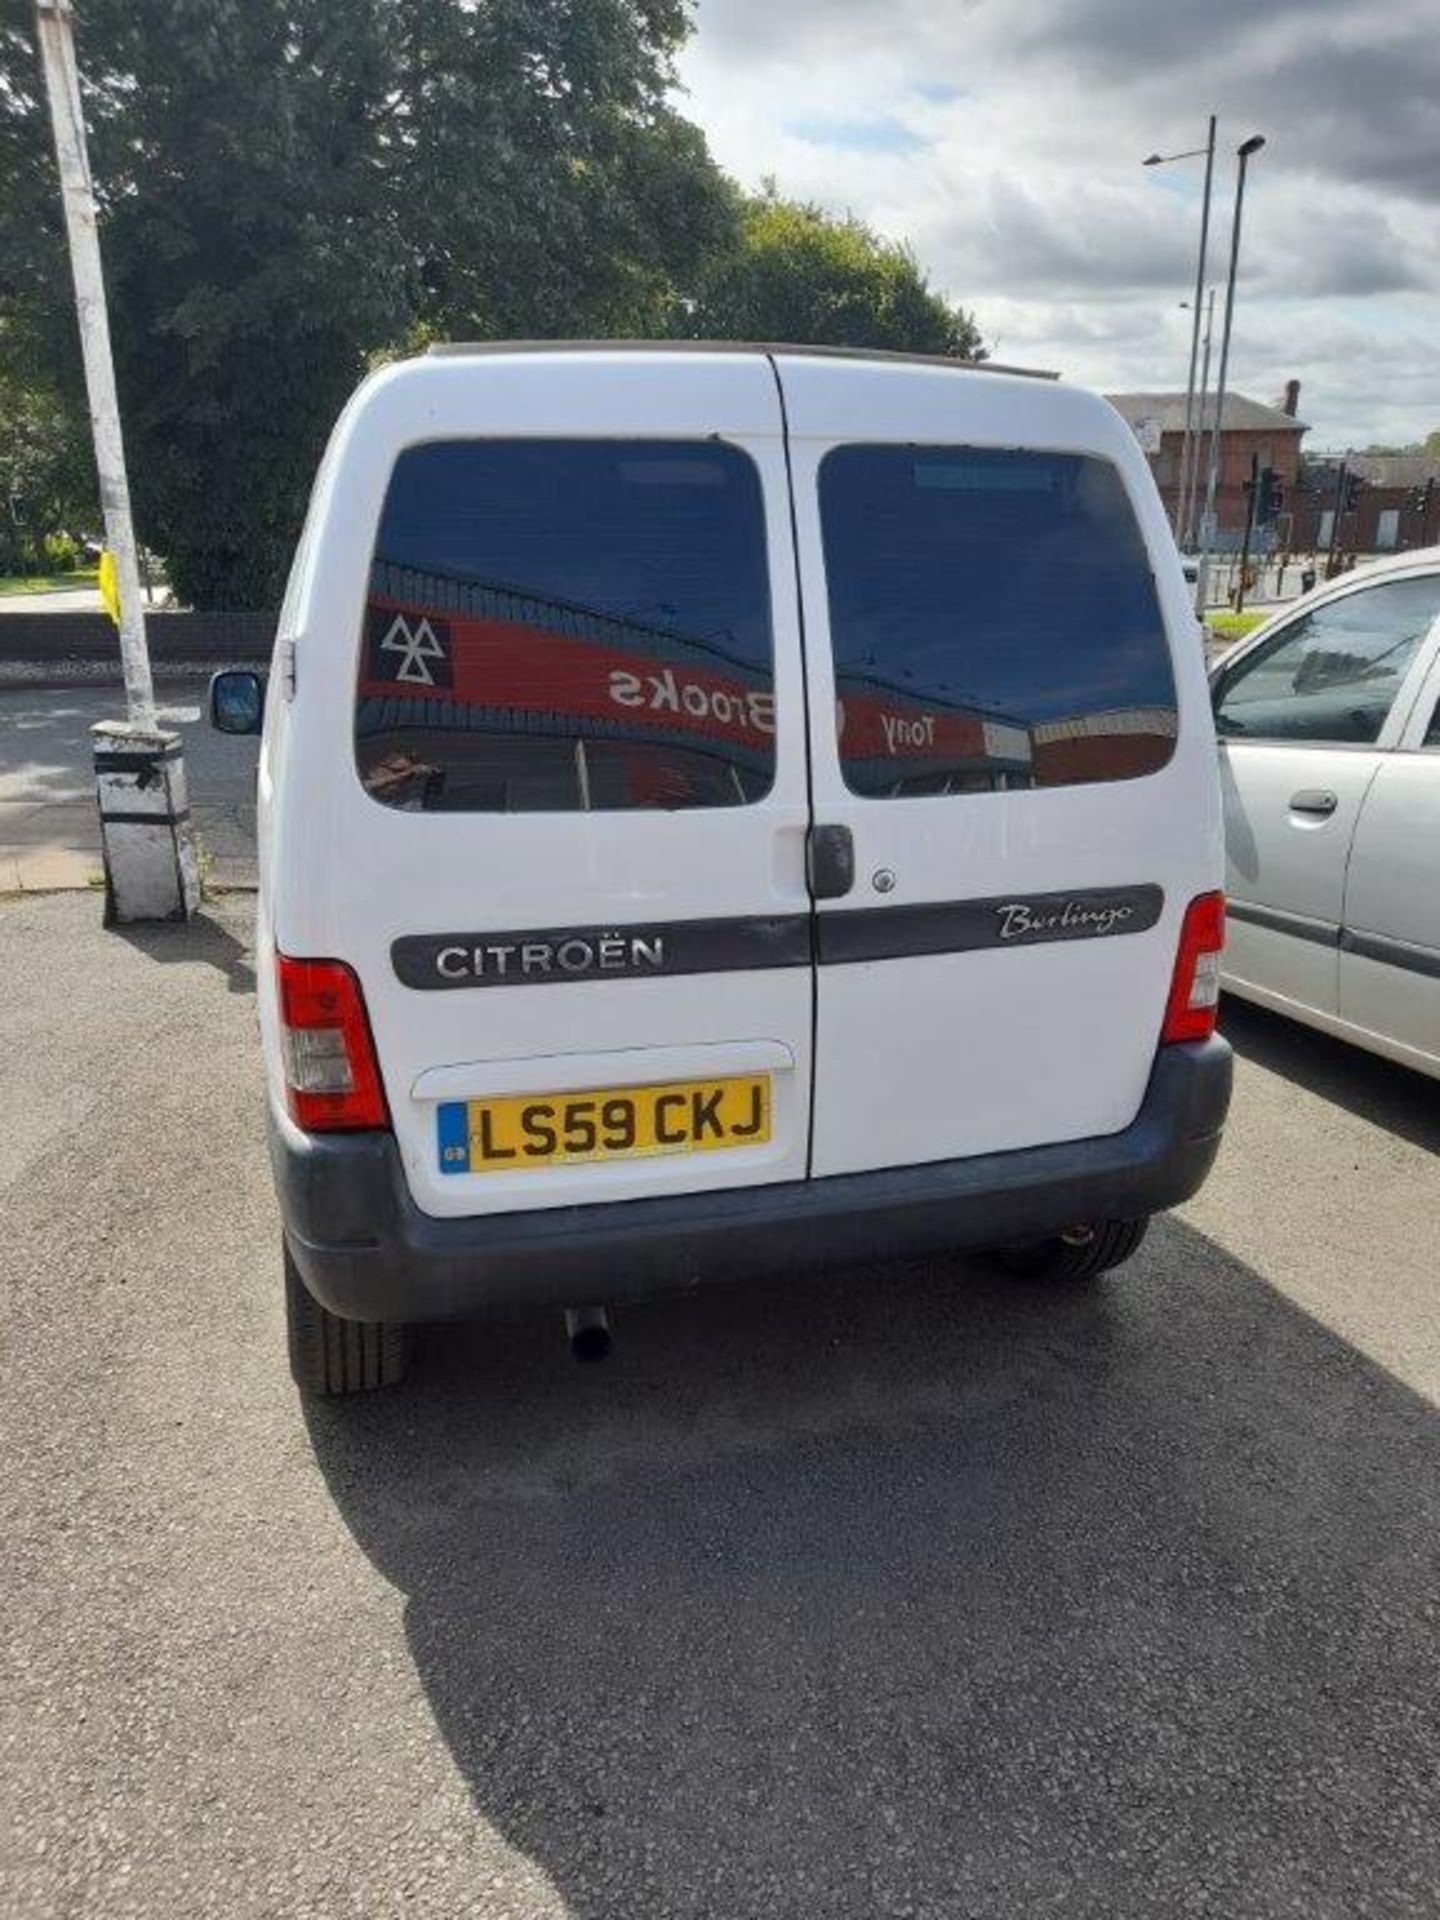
x: 237, y: 700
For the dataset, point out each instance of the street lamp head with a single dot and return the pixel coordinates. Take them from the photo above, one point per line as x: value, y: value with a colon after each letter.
x: 1252, y: 145
x: 1164, y: 159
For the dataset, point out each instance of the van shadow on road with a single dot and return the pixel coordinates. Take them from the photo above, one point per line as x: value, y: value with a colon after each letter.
x: 916, y: 1593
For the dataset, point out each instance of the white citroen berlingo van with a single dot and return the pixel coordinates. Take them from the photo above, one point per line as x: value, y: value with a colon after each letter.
x: 723, y: 810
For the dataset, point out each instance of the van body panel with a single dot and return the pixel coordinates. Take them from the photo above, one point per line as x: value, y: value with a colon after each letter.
x: 930, y: 1056
x: 350, y: 876
x: 919, y: 1056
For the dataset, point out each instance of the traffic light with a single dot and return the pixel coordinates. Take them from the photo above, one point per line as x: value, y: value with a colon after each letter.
x: 1270, y: 497
x: 1354, y: 487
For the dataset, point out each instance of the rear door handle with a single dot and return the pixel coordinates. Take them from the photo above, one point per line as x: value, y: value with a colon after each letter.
x: 1314, y: 800
x: 830, y: 862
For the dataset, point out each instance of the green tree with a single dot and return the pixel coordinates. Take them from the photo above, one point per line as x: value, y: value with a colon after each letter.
x: 291, y: 185
x: 797, y: 273
x: 293, y: 188
x: 246, y: 257
x: 550, y: 190
x: 1432, y: 443
x: 47, y: 485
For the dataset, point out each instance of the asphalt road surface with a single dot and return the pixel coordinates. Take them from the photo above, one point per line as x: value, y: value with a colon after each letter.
x: 902, y: 1592
x: 49, y: 826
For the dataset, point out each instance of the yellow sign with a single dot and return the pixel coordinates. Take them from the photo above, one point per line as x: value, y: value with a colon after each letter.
x: 110, y: 585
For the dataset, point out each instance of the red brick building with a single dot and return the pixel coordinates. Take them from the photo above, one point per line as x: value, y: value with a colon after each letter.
x: 1397, y: 505
x: 1247, y: 430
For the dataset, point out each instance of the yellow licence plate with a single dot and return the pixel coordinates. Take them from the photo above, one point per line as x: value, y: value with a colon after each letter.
x: 524, y: 1130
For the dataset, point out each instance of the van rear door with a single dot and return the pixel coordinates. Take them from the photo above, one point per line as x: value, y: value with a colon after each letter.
x: 997, y: 739
x: 566, y: 853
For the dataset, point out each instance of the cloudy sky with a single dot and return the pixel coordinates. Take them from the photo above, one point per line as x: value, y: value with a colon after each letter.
x: 1003, y: 139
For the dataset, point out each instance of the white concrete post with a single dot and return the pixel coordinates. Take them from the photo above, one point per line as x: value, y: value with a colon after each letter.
x: 150, y: 867
x: 134, y: 889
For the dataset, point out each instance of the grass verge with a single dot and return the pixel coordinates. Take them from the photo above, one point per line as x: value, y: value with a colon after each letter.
x: 47, y: 582
x: 1234, y: 626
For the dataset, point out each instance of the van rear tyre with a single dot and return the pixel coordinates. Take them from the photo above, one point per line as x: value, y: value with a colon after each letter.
x: 330, y: 1356
x: 1070, y: 1260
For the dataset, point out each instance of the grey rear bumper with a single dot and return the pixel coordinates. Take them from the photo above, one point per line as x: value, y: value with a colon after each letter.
x: 368, y: 1253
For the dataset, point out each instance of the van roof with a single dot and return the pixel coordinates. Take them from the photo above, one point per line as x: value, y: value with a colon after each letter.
x: 449, y: 348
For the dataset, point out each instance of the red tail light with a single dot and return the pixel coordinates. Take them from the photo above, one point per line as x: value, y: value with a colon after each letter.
x: 332, y: 1078
x: 1195, y: 989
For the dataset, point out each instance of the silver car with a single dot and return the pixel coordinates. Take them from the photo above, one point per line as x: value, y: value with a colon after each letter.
x: 1328, y: 719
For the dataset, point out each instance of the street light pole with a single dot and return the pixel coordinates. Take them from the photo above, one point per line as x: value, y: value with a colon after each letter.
x: 1188, y: 533
x: 1190, y: 445
x: 151, y: 872
x: 55, y: 21
x: 1207, y: 519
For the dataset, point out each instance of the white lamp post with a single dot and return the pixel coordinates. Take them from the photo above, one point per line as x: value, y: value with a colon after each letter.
x: 1190, y: 447
x: 1244, y: 151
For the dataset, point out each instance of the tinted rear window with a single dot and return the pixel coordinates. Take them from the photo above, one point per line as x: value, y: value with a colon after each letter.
x: 994, y: 622
x: 555, y: 625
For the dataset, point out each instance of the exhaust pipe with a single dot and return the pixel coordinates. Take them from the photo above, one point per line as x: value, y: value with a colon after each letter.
x: 588, y: 1331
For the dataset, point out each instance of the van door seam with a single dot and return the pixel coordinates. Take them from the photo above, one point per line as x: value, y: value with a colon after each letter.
x: 809, y: 769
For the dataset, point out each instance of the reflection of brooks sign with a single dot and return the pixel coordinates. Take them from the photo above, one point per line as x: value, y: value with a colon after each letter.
x: 739, y: 707
x: 577, y: 674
